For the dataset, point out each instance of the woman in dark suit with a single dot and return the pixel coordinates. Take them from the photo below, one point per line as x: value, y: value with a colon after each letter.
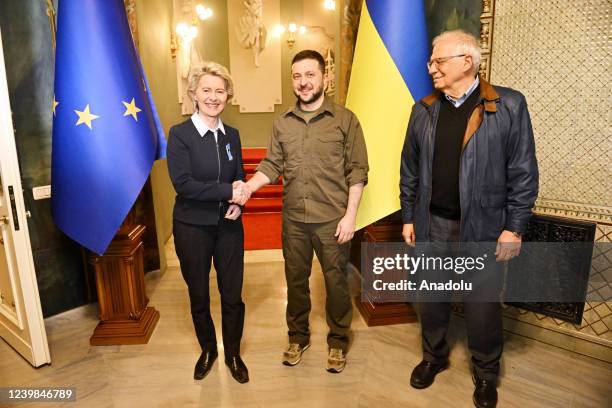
x: 205, y: 166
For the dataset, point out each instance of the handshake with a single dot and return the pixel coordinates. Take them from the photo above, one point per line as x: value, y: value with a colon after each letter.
x: 241, y: 192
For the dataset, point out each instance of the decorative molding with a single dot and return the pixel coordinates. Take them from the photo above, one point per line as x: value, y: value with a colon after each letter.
x: 330, y: 73
x: 486, y: 37
x: 52, y: 15
x: 599, y: 214
x: 487, y: 8
x: 130, y: 10
x: 349, y: 25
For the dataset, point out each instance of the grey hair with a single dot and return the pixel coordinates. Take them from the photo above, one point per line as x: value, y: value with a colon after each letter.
x: 466, y: 43
x: 210, y: 68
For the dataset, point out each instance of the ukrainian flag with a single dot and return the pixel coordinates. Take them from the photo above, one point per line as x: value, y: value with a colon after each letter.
x: 389, y: 75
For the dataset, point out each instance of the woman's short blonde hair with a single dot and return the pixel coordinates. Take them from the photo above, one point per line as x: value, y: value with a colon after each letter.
x: 210, y: 68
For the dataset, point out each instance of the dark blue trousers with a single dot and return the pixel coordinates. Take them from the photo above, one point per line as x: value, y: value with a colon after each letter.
x: 483, y: 319
x: 223, y: 244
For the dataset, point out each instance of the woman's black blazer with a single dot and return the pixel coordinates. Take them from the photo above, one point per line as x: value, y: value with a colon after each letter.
x: 202, y: 172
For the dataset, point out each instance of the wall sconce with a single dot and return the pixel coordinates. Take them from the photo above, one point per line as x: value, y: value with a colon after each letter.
x: 186, y: 33
x: 204, y: 13
x: 329, y: 4
x: 291, y: 29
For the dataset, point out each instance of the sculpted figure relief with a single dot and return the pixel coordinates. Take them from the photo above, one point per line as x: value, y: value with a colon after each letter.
x: 251, y: 31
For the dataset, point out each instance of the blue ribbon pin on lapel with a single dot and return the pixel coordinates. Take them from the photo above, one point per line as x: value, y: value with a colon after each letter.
x: 229, y: 153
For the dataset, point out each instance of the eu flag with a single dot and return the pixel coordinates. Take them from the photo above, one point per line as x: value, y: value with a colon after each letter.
x: 106, y: 132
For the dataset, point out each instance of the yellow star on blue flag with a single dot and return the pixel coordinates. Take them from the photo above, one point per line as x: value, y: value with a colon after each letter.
x: 85, y: 117
x: 131, y: 109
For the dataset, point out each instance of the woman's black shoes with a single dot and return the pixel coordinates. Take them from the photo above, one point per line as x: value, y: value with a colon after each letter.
x: 207, y: 360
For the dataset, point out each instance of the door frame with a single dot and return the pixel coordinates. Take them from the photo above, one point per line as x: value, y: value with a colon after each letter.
x: 25, y: 286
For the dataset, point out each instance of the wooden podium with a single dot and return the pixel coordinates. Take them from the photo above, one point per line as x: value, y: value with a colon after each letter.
x: 388, y: 229
x: 124, y: 315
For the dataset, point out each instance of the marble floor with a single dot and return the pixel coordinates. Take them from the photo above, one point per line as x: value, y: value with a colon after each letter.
x: 159, y: 374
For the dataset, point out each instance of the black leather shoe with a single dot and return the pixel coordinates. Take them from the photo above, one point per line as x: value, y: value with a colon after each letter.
x: 425, y: 372
x: 204, y: 364
x: 485, y: 394
x: 238, y: 369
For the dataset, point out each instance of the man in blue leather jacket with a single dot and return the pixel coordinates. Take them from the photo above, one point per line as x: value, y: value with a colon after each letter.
x: 468, y: 174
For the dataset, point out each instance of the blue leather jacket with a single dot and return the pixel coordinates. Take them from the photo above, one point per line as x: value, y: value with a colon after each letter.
x: 498, y: 172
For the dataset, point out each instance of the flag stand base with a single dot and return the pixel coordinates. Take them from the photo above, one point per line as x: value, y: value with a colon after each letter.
x: 124, y: 315
x: 388, y: 229
x: 383, y: 314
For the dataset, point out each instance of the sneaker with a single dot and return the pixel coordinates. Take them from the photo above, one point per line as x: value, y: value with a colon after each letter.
x: 293, y: 354
x: 336, y: 360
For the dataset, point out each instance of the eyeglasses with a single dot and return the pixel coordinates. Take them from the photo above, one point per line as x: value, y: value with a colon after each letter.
x: 442, y: 60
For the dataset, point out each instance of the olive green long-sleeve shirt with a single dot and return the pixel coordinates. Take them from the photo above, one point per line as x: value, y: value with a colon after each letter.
x: 319, y: 160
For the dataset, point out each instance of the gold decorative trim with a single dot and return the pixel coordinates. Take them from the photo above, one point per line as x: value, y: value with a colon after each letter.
x: 52, y: 15
x: 130, y: 9
x: 486, y: 37
x: 600, y: 214
x: 349, y: 25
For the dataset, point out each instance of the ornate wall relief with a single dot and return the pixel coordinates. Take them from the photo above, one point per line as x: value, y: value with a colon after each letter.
x: 251, y: 30
x: 330, y: 73
x: 187, y: 55
x: 255, y: 56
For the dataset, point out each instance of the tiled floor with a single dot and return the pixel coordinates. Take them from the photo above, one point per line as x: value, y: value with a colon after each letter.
x: 159, y: 374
